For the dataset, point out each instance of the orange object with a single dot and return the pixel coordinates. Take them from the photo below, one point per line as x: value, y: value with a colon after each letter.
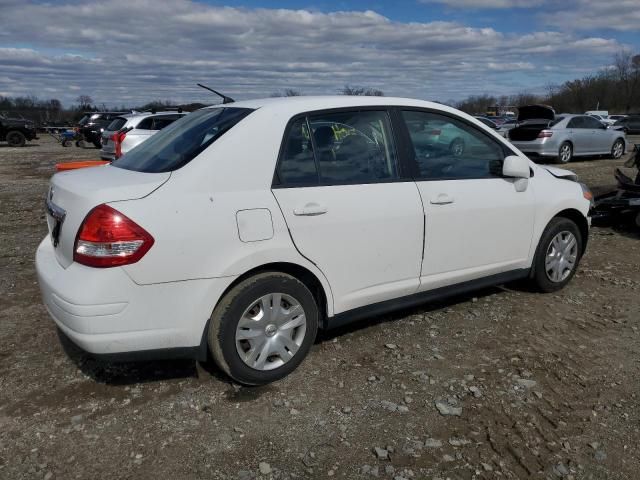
x: 61, y: 167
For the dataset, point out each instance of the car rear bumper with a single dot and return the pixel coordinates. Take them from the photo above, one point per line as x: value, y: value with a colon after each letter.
x: 105, y: 313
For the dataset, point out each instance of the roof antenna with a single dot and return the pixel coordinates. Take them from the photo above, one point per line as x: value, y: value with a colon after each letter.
x: 225, y: 99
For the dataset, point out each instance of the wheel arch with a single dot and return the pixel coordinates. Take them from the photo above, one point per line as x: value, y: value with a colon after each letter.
x: 579, y: 219
x: 299, y: 272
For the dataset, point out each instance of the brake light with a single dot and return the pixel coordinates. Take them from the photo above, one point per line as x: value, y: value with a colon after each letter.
x: 117, y: 139
x: 107, y: 238
x: 545, y: 134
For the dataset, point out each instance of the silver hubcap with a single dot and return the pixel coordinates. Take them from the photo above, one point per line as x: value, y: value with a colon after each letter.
x: 561, y: 256
x: 271, y: 331
x: 565, y: 153
x: 618, y: 150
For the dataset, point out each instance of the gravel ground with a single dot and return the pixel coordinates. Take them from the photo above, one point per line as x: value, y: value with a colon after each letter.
x: 504, y: 384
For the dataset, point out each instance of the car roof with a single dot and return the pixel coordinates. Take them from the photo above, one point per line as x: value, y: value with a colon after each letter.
x: 301, y: 104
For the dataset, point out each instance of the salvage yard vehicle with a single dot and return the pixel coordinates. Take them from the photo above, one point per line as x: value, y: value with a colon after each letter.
x: 16, y: 131
x: 92, y: 124
x: 241, y: 229
x: 540, y: 133
x: 630, y: 124
x: 127, y: 131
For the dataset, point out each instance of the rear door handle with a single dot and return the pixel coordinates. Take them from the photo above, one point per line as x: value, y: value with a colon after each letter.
x: 310, y: 210
x: 442, y: 199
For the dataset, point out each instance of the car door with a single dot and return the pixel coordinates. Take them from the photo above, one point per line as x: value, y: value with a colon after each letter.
x: 599, y: 138
x: 348, y: 208
x: 477, y: 223
x: 579, y: 135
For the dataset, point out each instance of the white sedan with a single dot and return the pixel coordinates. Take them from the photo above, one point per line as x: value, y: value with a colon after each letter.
x: 241, y: 229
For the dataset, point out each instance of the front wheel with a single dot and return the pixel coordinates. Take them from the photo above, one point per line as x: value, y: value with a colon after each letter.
x: 617, y: 150
x: 558, y: 255
x: 16, y: 139
x: 565, y: 153
x: 263, y: 328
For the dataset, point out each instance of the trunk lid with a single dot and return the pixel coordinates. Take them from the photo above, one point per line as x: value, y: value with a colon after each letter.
x: 535, y: 112
x: 74, y: 193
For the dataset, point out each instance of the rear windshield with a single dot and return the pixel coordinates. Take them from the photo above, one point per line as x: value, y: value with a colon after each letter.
x: 117, y: 124
x: 179, y: 143
x: 84, y: 120
x: 556, y: 121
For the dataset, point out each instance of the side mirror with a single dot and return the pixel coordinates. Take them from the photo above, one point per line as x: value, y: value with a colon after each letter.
x: 516, y: 167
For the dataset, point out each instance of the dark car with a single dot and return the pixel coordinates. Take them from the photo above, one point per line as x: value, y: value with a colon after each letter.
x: 630, y: 124
x: 93, y: 124
x: 16, y: 131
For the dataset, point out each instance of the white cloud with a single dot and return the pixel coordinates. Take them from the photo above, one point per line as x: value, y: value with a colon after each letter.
x: 139, y: 50
x: 622, y: 15
x: 487, y: 4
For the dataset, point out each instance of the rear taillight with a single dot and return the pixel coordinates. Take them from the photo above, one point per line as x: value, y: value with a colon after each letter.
x: 107, y: 238
x: 545, y: 134
x: 117, y: 139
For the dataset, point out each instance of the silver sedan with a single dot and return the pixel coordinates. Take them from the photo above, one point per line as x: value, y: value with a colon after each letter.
x: 566, y: 136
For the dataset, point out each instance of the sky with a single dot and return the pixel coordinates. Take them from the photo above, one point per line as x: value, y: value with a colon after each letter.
x: 129, y: 52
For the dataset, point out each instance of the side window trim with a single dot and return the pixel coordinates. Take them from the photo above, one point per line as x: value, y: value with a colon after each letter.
x: 401, y: 175
x: 410, y: 159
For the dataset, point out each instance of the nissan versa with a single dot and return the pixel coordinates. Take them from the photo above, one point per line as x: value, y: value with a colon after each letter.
x: 241, y: 229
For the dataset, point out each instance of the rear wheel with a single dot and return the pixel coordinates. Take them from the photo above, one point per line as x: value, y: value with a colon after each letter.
x: 263, y: 328
x: 558, y: 255
x: 565, y: 153
x: 617, y: 150
x: 16, y: 139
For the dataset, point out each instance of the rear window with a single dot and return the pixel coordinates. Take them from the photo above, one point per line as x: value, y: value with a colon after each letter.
x: 117, y: 124
x: 556, y: 121
x: 182, y: 141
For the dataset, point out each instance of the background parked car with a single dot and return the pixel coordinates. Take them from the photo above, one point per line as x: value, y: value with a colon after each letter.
x: 16, y: 131
x: 93, y: 124
x: 629, y: 125
x: 127, y: 131
x: 540, y: 133
x: 603, y: 119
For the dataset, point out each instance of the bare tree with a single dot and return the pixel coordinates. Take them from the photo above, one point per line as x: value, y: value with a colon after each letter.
x: 287, y: 92
x: 361, y: 91
x: 84, y: 101
x: 627, y: 73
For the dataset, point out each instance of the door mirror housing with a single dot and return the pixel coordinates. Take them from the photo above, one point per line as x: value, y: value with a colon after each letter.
x: 516, y: 167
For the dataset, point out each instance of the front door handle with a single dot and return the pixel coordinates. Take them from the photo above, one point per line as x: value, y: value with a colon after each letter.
x: 442, y: 199
x: 310, y: 210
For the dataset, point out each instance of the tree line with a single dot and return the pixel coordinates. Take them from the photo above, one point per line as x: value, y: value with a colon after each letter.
x: 616, y: 89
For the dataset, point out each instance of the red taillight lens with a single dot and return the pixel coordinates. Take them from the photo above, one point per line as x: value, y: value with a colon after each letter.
x: 107, y: 238
x: 545, y: 134
x: 117, y: 139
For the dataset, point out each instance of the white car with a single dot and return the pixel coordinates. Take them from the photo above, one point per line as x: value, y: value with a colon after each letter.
x: 128, y: 131
x: 240, y: 230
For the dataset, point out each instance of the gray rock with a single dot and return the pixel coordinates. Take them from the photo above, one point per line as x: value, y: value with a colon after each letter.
x: 389, y: 470
x: 244, y: 475
x: 560, y: 470
x: 487, y: 467
x: 448, y: 410
x: 600, y: 456
x: 48, y: 476
x: 391, y: 346
x: 475, y: 391
x: 346, y: 409
x: 76, y: 419
x: 432, y: 443
x: 381, y: 453
x: 458, y: 442
x: 265, y: 468
x: 448, y: 458
x: 526, y: 383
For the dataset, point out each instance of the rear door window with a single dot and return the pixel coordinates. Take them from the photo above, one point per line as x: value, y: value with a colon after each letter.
x: 117, y: 124
x: 576, y: 122
x: 181, y: 142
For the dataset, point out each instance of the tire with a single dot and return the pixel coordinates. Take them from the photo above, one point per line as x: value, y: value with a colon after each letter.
x: 16, y: 139
x: 97, y: 144
x: 617, y: 150
x: 66, y: 143
x: 246, y: 301
x: 543, y: 264
x: 565, y: 153
x: 456, y: 147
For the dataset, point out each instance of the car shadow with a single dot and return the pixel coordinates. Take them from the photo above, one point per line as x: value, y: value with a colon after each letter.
x: 147, y: 371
